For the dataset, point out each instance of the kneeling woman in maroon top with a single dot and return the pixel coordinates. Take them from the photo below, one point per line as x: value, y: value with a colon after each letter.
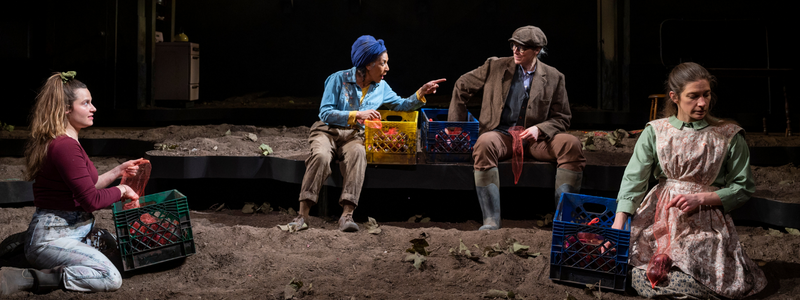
x: 61, y: 239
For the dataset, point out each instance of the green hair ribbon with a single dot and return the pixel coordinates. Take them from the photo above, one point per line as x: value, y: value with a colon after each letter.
x: 66, y: 76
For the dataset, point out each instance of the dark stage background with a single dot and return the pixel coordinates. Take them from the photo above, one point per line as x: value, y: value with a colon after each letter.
x: 287, y: 48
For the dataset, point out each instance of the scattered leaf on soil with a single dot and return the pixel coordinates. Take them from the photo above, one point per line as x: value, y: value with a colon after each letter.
x: 418, y: 245
x: 792, y: 231
x: 291, y: 288
x: 228, y: 132
x: 463, y: 251
x: 518, y: 248
x: 498, y: 294
x: 590, y: 290
x: 264, y: 208
x: 372, y: 226
x: 414, y: 218
x: 775, y: 232
x: 588, y: 144
x: 292, y: 228
x: 570, y: 297
x: 7, y: 127
x: 248, y: 208
x: 493, y: 250
x: 417, y: 258
x: 265, y: 149
x: 425, y: 220
x: 291, y: 212
x: 546, y: 220
x: 216, y: 206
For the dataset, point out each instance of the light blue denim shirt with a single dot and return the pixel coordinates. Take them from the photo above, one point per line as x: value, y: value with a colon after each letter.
x: 342, y: 95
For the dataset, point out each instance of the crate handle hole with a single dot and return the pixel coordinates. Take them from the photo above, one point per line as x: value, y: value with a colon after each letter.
x: 394, y: 118
x: 594, y: 208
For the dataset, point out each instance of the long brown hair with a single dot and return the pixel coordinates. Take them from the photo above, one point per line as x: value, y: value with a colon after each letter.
x: 48, y: 119
x: 682, y: 75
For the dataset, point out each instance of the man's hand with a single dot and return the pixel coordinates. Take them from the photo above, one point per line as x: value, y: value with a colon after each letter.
x: 367, y: 115
x: 530, y: 133
x: 430, y: 87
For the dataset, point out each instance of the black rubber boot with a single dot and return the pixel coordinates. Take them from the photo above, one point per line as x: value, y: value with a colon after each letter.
x: 487, y: 184
x: 46, y: 281
x: 13, y: 245
x: 567, y: 181
x: 14, y: 280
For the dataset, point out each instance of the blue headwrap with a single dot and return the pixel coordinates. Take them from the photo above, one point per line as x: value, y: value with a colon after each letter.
x: 365, y: 50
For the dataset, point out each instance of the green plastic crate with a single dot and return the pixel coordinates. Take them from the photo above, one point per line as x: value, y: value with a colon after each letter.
x: 143, y: 244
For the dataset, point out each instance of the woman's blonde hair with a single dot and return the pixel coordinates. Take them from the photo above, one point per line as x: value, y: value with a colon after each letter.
x: 48, y: 119
x: 682, y: 75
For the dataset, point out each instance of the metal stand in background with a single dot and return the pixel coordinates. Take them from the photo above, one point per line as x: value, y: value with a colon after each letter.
x: 788, y: 121
x: 322, y: 202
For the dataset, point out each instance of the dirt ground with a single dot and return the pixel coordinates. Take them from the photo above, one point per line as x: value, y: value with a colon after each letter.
x: 243, y: 256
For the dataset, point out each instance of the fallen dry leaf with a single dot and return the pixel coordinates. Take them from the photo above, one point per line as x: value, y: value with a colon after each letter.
x: 492, y: 293
x: 372, y: 226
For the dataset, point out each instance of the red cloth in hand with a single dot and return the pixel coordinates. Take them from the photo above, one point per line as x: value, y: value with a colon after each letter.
x: 517, y: 157
x: 137, y: 182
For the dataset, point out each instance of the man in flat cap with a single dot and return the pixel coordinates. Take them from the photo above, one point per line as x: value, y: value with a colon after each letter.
x: 519, y: 91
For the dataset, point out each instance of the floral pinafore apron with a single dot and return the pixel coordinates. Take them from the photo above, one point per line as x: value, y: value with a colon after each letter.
x: 702, y: 243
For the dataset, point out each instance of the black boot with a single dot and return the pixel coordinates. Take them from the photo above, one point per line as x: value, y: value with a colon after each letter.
x: 567, y: 181
x: 13, y: 245
x: 45, y: 281
x: 487, y: 184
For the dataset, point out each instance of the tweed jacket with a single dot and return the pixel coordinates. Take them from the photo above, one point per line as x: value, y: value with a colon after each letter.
x: 548, y: 107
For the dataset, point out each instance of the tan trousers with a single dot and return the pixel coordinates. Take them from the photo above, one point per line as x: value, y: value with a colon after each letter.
x: 343, y: 143
x: 564, y: 149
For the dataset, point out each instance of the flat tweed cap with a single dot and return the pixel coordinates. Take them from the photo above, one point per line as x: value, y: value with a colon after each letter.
x: 530, y: 36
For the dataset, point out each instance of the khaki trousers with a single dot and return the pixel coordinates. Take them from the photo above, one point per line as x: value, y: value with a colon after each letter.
x: 564, y: 149
x: 343, y: 143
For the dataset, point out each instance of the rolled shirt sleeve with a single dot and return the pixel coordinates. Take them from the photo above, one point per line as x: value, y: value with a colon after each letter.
x: 736, y: 178
x: 635, y: 179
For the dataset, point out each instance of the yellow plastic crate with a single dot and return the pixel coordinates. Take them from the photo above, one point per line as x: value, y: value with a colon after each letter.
x: 395, y: 142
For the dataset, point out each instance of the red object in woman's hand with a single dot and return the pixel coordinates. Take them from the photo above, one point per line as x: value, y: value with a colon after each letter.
x: 658, y: 269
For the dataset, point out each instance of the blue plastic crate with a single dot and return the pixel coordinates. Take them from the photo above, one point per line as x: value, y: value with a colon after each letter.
x: 445, y: 141
x: 577, y: 254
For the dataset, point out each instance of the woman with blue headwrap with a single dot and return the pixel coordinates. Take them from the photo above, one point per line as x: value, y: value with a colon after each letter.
x: 351, y: 96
